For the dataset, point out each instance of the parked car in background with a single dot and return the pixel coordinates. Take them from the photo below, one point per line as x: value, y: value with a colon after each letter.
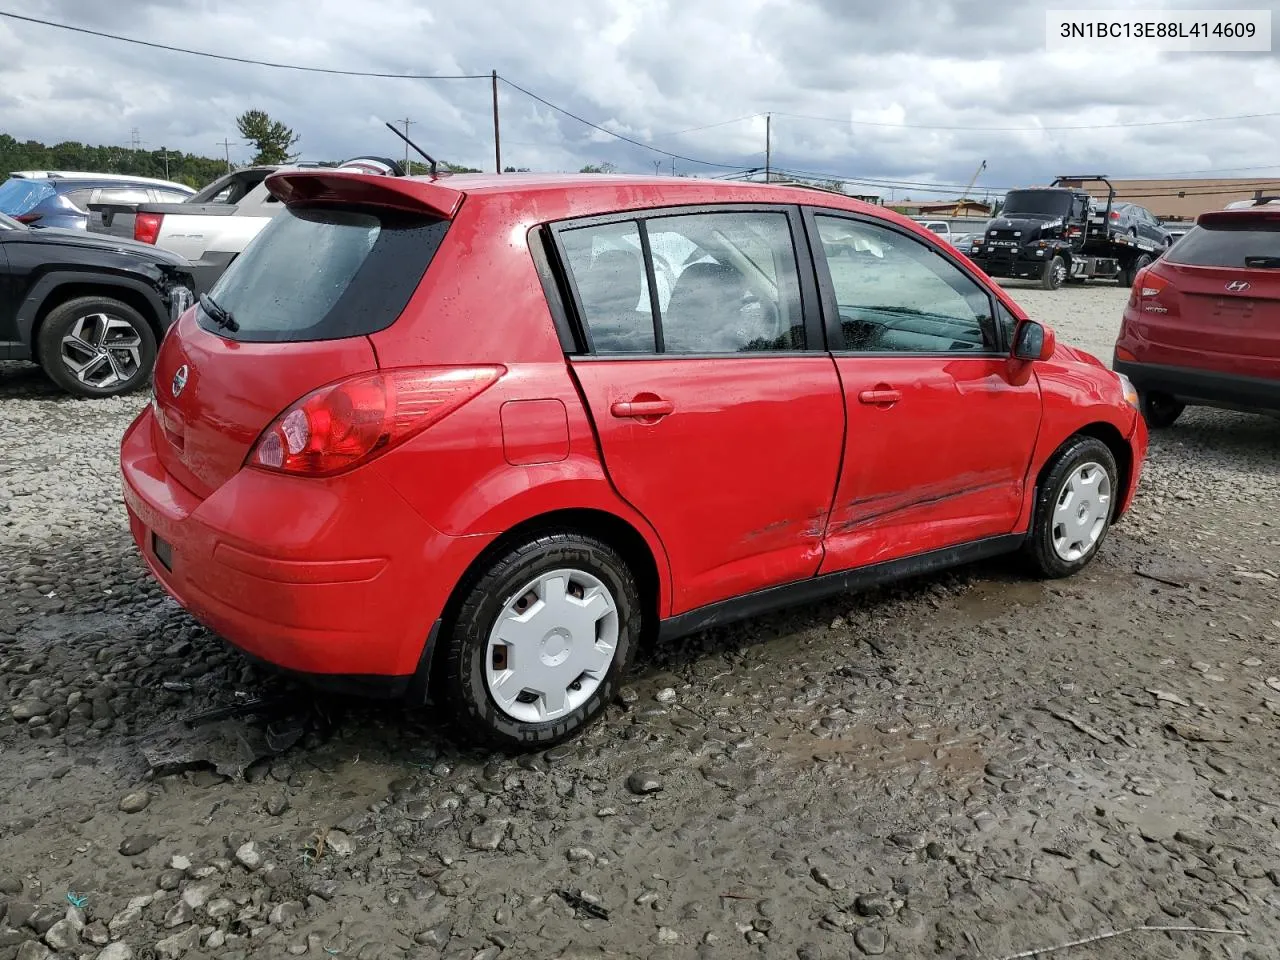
x: 964, y: 242
x: 421, y: 434
x: 1202, y: 325
x: 213, y: 226
x: 1136, y: 221
x: 56, y: 198
x: 90, y: 310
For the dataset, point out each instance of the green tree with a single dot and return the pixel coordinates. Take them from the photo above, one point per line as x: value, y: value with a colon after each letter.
x: 271, y: 137
x: 605, y: 167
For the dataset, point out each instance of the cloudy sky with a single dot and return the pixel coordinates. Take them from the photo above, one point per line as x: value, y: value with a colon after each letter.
x: 857, y: 88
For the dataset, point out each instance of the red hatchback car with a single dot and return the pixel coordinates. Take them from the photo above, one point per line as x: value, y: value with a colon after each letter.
x: 476, y: 437
x: 1202, y: 325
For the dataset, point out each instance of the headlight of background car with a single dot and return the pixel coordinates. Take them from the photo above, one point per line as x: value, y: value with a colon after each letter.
x: 1130, y: 391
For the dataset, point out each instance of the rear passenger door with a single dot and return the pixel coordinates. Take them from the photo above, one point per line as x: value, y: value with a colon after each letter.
x: 718, y: 411
x: 941, y: 423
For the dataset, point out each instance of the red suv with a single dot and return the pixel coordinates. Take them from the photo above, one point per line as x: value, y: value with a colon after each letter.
x: 477, y: 437
x: 1203, y: 322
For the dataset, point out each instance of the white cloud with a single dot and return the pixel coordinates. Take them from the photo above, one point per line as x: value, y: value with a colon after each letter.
x: 643, y: 68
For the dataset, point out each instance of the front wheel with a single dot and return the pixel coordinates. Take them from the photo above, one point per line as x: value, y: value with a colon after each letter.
x: 1073, y: 509
x: 97, y: 347
x: 1054, y: 274
x: 541, y: 642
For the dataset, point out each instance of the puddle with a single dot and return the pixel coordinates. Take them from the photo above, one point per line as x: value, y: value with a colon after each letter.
x: 989, y: 599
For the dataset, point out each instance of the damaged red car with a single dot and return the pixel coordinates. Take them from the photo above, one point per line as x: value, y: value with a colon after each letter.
x: 478, y: 437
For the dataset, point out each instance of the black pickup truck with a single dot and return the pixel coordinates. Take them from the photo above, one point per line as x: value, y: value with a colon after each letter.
x: 1060, y: 234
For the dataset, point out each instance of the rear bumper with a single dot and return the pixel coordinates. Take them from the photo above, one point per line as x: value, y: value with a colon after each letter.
x: 1204, y: 387
x: 339, y: 581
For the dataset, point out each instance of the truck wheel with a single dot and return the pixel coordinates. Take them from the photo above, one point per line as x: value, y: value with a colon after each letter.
x: 1159, y: 409
x: 1130, y: 275
x: 97, y: 347
x: 1055, y: 273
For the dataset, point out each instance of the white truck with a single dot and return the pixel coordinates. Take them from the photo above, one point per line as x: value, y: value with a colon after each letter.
x: 214, y: 226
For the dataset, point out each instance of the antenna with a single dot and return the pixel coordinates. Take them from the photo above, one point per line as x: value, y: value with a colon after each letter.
x: 416, y: 147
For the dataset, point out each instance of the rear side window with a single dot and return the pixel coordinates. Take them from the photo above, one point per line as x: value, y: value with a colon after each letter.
x: 325, y: 274
x: 19, y: 196
x: 722, y: 283
x: 1254, y: 244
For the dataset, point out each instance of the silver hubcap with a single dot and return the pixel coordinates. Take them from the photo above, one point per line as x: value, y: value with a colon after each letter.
x: 1081, y: 513
x: 1059, y: 273
x: 551, y: 646
x: 102, y: 351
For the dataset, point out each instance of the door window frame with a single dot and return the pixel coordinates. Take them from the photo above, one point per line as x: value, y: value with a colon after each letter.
x: 830, y: 306
x: 558, y: 283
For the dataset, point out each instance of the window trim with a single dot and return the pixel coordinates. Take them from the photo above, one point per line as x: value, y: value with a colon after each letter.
x: 558, y: 281
x: 830, y: 308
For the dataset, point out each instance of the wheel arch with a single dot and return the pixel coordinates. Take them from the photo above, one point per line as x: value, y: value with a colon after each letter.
x: 601, y: 524
x: 1114, y: 440
x: 56, y: 289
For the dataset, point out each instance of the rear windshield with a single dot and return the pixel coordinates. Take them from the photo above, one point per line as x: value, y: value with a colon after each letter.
x: 19, y: 196
x: 1246, y: 245
x: 325, y: 274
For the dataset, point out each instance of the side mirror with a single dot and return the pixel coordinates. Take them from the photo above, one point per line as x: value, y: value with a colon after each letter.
x: 1033, y: 341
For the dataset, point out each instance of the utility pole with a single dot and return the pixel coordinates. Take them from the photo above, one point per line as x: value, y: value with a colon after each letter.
x: 226, y: 146
x: 768, y: 145
x: 164, y: 155
x: 407, y: 169
x: 497, y: 135
x: 673, y: 166
x: 657, y: 167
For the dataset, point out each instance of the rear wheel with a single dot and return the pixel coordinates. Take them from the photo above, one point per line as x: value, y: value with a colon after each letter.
x: 97, y: 347
x: 1130, y: 274
x: 1160, y: 410
x: 1054, y: 274
x: 1073, y: 508
x: 541, y: 642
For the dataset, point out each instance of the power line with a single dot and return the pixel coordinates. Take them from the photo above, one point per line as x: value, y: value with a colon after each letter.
x: 596, y: 126
x: 231, y: 59
x: 1032, y: 129
x: 708, y: 126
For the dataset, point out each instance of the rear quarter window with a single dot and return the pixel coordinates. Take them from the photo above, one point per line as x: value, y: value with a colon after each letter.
x: 1227, y: 246
x: 325, y: 274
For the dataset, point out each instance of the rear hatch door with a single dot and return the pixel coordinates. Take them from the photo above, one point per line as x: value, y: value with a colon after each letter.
x: 337, y: 265
x: 1224, y: 296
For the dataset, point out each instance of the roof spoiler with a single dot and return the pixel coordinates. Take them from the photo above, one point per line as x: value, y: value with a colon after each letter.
x: 366, y: 190
x: 1231, y: 218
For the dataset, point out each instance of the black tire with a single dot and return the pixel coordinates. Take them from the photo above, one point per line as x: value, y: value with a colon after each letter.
x: 1129, y: 277
x: 110, y: 370
x: 1054, y: 273
x: 1159, y: 409
x: 461, y: 679
x: 1072, y: 455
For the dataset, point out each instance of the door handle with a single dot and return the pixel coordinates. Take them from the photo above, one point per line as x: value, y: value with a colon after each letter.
x: 642, y: 408
x: 880, y: 396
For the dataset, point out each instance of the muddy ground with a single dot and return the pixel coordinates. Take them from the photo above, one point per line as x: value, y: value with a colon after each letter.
x: 970, y: 765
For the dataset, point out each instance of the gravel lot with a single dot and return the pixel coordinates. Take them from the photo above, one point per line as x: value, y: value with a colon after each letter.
x: 970, y: 765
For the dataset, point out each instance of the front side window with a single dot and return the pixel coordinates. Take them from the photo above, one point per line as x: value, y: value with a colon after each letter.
x: 895, y: 294
x: 723, y: 283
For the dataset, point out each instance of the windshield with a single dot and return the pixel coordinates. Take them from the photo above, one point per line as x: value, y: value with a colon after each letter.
x: 324, y: 275
x: 1045, y: 203
x: 1251, y: 244
x: 19, y: 196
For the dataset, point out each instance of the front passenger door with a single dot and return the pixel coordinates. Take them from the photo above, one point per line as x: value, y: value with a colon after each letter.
x: 942, y: 423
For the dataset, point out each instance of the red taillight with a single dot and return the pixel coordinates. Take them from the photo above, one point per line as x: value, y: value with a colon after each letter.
x: 1149, y: 284
x: 146, y: 227
x: 348, y: 423
x: 28, y: 217
x: 1123, y: 354
x: 1115, y: 214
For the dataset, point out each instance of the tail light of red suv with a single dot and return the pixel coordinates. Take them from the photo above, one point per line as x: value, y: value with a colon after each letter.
x: 146, y: 227
x: 345, y: 424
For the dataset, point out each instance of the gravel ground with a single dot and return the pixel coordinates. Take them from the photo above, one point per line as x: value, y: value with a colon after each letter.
x: 970, y: 765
